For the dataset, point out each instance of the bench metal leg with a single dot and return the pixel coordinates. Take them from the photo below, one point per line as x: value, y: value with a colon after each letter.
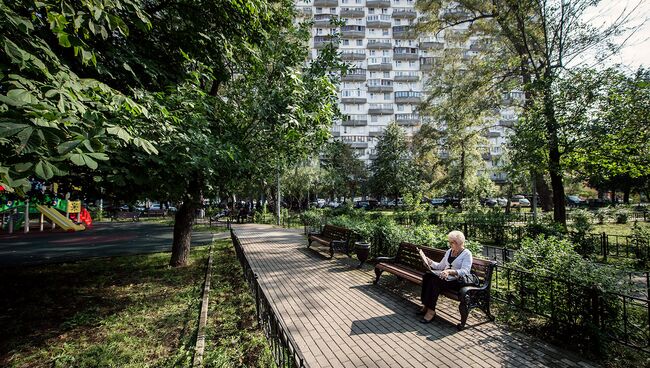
x: 331, y: 251
x: 308, y: 244
x: 463, y: 308
x: 378, y: 272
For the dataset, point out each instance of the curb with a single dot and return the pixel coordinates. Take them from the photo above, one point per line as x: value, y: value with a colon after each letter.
x: 197, y: 360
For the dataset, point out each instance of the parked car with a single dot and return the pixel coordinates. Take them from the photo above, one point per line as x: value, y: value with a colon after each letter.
x: 369, y: 204
x: 574, y: 200
x: 496, y: 202
x: 519, y: 201
x: 437, y: 202
x: 333, y: 204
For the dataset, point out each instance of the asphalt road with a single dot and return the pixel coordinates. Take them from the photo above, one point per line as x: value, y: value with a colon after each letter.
x: 101, y: 240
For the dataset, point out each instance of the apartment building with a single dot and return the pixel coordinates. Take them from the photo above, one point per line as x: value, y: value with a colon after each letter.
x: 390, y: 66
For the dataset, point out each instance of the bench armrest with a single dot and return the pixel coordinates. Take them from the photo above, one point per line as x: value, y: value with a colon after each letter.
x: 385, y: 259
x: 314, y: 234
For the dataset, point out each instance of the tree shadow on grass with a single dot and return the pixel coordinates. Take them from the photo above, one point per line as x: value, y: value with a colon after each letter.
x: 42, y: 302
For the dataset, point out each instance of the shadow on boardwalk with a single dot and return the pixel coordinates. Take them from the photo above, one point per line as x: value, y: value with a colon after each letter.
x: 339, y: 318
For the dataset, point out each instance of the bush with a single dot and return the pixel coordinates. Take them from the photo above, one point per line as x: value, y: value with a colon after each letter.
x: 603, y: 214
x: 548, y: 229
x: 553, y: 272
x: 641, y: 243
x: 622, y: 215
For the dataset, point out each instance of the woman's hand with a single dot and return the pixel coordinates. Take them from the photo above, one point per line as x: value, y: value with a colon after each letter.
x: 446, y: 273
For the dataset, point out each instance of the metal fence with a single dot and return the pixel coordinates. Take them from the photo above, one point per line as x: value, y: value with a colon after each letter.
x: 588, y: 313
x: 283, y: 348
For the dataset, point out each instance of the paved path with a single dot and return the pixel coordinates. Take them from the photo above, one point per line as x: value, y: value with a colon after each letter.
x: 101, y: 240
x: 339, y: 319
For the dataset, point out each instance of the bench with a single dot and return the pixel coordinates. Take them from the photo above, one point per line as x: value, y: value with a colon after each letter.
x: 407, y: 265
x: 133, y: 216
x: 334, y: 237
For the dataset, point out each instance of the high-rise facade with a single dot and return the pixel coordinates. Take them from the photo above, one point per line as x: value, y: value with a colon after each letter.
x: 390, y: 64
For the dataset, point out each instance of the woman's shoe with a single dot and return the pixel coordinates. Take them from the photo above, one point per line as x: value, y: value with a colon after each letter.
x: 425, y: 321
x: 421, y: 312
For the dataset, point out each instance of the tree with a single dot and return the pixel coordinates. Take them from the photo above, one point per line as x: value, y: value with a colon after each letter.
x: 531, y: 44
x: 392, y: 170
x: 461, y: 103
x: 269, y: 110
x: 345, y: 171
x: 54, y: 117
x: 613, y: 151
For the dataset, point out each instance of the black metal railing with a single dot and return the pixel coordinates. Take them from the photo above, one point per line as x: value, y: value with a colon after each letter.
x: 283, y: 348
x: 587, y: 312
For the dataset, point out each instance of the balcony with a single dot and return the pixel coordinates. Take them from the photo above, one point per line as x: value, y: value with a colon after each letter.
x: 354, y: 75
x: 377, y: 3
x: 407, y: 119
x: 304, y: 11
x: 508, y: 123
x: 380, y: 85
x: 326, y: 3
x: 432, y: 45
x: 353, y: 31
x: 379, y: 21
x: 321, y: 42
x: 358, y: 144
x: 379, y: 44
x: 380, y: 109
x: 404, y: 32
x: 352, y: 13
x: 404, y: 13
x: 493, y: 134
x: 428, y: 63
x: 376, y: 134
x: 354, y: 100
x: 353, y: 55
x: 382, y: 67
x: 355, y: 122
x: 408, y: 97
x: 406, y: 78
x: 324, y: 20
x: 405, y: 53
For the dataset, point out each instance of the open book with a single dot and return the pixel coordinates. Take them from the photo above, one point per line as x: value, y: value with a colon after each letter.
x: 427, y: 265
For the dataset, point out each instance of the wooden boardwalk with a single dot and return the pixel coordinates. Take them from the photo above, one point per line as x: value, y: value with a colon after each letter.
x: 339, y: 318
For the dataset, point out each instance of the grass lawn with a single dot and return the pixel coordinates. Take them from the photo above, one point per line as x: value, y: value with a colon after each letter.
x: 130, y: 311
x: 618, y: 229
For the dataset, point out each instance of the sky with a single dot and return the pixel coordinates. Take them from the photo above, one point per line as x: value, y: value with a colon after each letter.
x: 636, y: 50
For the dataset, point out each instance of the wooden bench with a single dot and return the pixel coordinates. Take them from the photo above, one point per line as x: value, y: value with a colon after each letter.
x: 335, y: 237
x: 133, y: 216
x: 407, y: 265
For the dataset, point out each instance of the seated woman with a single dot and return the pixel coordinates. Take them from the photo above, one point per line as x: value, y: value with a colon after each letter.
x: 456, y: 262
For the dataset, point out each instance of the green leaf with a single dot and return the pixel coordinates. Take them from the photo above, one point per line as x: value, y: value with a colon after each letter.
x: 66, y: 147
x: 43, y: 170
x: 24, y: 166
x: 17, y: 55
x: 9, y: 129
x: 120, y: 133
x: 63, y: 39
x: 77, y: 159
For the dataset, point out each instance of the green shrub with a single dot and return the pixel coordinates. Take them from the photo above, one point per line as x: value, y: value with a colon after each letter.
x: 622, y: 215
x: 559, y: 282
x: 603, y: 214
x: 641, y: 243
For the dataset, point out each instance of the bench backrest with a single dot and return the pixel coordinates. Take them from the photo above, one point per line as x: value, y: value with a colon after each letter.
x: 336, y: 232
x: 408, y: 255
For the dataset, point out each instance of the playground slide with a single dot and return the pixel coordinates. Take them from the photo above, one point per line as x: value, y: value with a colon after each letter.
x: 59, y: 219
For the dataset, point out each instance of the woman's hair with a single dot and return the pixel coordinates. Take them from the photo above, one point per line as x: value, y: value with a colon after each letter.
x: 457, y: 237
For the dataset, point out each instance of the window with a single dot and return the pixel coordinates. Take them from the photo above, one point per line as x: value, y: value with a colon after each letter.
x: 346, y: 42
x: 387, y: 96
x: 372, y: 52
x: 385, y: 32
x: 374, y: 118
x: 359, y: 42
x: 386, y: 74
x: 400, y: 107
x: 371, y: 10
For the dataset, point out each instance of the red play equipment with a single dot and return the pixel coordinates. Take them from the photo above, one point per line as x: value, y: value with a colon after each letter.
x: 84, y: 216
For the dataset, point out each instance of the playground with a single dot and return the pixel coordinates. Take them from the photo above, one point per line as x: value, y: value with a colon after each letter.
x: 103, y: 239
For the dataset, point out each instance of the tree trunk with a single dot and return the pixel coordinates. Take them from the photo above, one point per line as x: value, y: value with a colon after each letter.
x: 183, y: 225
x: 544, y: 192
x: 554, y: 156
